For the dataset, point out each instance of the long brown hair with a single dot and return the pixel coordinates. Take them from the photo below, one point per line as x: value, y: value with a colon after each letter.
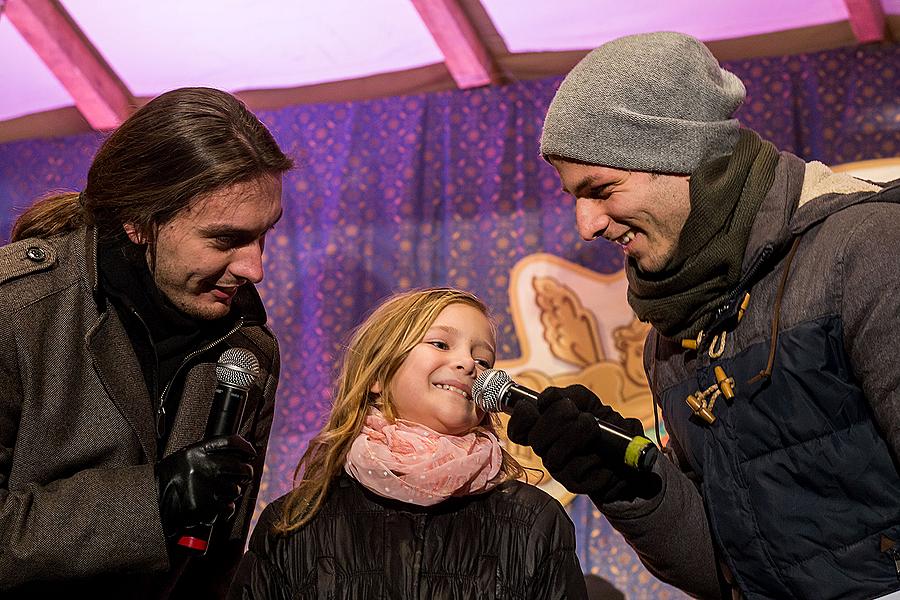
x: 376, y: 350
x: 180, y: 145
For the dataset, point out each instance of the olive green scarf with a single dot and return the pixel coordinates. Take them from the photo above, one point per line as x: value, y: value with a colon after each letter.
x: 725, y: 195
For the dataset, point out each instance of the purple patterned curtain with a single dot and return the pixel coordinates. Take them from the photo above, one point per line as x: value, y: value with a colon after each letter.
x: 448, y: 189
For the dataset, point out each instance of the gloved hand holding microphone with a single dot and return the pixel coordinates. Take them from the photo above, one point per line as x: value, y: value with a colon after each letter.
x: 203, y: 482
x: 587, y: 446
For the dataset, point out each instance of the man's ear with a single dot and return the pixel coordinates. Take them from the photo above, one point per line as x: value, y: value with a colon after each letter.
x: 133, y: 234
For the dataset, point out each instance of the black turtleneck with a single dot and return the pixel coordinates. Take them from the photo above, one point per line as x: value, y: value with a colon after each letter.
x: 161, y: 335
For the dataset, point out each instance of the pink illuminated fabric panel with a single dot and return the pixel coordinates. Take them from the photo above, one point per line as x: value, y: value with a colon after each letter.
x: 583, y: 24
x: 239, y: 45
x: 27, y: 85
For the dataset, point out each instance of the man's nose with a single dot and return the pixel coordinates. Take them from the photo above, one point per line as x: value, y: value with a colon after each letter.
x: 247, y: 263
x: 590, y: 218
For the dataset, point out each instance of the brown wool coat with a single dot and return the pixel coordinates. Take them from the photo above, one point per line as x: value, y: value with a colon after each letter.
x: 78, y: 499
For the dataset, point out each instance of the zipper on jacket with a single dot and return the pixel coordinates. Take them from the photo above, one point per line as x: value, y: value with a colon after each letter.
x: 160, y: 418
x: 417, y: 557
x: 155, y: 372
x: 729, y: 309
x: 161, y: 409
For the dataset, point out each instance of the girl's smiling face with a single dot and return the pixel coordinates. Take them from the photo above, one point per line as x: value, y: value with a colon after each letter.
x: 433, y: 385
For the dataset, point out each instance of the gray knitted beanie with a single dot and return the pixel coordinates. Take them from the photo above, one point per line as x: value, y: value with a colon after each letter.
x: 649, y: 102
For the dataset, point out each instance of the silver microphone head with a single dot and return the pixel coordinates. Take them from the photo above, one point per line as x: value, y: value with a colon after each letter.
x: 488, y: 390
x: 238, y: 368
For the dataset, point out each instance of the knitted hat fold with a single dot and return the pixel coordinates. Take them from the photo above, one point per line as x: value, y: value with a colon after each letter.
x: 655, y: 102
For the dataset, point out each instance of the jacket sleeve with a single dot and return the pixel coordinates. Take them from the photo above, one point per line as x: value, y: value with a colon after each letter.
x: 258, y: 576
x: 557, y: 573
x: 870, y: 312
x: 670, y: 533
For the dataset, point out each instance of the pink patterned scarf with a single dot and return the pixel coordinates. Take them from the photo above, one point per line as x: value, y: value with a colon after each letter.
x: 412, y: 463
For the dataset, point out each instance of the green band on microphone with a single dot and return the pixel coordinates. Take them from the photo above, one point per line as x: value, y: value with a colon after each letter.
x: 634, y: 450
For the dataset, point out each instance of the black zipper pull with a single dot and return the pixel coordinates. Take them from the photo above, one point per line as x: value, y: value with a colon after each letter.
x: 732, y: 308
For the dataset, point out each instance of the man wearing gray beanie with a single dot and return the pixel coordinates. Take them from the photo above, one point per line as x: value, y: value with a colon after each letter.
x: 771, y: 287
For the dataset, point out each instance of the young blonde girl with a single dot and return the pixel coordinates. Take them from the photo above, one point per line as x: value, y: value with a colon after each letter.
x: 406, y: 492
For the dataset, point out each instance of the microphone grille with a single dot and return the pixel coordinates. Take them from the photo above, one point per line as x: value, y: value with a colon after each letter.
x: 237, y: 367
x: 488, y: 389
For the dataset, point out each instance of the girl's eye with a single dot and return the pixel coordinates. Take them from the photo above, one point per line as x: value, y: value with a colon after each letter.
x: 483, y: 363
x: 440, y: 345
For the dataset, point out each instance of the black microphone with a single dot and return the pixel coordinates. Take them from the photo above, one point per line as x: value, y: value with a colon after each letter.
x: 495, y: 391
x: 236, y: 372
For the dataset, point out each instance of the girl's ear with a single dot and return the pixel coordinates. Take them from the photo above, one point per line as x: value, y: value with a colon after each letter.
x: 375, y: 387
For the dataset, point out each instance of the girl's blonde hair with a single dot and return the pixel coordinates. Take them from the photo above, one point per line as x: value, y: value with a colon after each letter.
x: 376, y: 350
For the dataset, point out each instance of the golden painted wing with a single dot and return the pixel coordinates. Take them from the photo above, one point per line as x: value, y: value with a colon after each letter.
x: 569, y: 328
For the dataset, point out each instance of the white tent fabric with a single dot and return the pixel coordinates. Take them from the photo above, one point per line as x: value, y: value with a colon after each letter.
x: 285, y: 51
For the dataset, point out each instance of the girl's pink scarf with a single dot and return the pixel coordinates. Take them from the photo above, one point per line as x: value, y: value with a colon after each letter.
x: 412, y: 463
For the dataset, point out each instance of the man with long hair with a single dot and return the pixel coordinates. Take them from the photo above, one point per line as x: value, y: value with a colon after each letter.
x: 115, y: 304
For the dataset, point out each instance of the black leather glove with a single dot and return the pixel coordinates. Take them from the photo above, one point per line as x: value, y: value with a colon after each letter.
x: 561, y: 428
x: 204, y: 480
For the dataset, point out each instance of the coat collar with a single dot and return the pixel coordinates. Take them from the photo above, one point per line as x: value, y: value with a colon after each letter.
x: 88, y: 257
x: 118, y: 369
x: 803, y: 195
x: 771, y: 226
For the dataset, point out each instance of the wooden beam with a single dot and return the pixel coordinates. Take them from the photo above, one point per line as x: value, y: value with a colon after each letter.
x: 99, y: 94
x: 465, y: 54
x: 866, y: 19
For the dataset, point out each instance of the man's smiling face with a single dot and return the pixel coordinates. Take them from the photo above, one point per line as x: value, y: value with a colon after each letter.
x: 207, y: 251
x: 642, y: 212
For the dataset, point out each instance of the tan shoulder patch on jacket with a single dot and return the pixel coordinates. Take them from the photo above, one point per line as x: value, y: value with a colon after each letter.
x: 819, y: 180
x: 25, y: 257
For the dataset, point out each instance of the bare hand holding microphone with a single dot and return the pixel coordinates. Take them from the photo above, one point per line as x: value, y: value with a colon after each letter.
x: 587, y: 446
